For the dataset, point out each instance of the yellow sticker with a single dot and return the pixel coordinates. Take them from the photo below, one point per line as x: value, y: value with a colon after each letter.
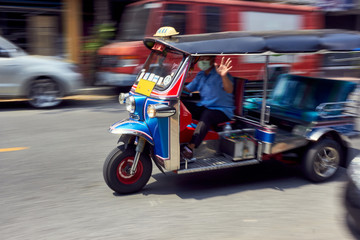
x: 145, y: 87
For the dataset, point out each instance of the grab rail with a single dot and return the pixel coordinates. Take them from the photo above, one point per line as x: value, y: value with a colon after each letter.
x: 347, y: 109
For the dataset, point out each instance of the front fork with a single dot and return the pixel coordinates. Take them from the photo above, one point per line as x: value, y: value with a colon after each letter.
x: 139, y: 149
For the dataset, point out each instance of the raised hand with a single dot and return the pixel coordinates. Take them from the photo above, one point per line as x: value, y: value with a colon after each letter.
x: 223, y: 68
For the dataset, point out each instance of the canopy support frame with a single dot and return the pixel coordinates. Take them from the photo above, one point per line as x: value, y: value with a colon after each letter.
x: 265, y: 87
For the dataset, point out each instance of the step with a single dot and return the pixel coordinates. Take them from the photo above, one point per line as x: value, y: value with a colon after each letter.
x: 214, y: 163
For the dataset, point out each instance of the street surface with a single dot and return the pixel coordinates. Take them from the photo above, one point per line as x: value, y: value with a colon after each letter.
x: 52, y: 187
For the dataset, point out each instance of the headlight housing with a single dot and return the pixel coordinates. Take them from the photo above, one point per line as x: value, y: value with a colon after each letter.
x: 122, y: 97
x: 130, y: 104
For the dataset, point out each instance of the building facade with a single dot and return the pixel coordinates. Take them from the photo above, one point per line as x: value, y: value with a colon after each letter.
x: 59, y: 27
x: 55, y: 27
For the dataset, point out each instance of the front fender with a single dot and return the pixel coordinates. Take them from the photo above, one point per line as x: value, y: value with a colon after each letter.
x: 132, y: 127
x: 317, y: 133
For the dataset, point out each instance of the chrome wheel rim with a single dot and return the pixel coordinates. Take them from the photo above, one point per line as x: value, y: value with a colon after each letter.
x: 45, y: 93
x: 326, y: 162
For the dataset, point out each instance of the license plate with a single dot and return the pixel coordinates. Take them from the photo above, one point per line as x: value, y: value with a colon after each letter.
x: 145, y: 87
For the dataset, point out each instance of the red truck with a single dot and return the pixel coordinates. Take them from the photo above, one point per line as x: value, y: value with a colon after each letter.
x: 118, y: 62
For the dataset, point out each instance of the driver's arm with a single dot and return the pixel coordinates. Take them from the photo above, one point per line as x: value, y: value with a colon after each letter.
x: 227, y: 84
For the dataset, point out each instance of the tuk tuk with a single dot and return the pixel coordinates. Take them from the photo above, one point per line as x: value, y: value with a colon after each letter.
x: 312, y: 117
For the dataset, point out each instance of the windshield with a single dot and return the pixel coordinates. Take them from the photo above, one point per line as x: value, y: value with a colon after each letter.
x: 160, y: 68
x: 10, y: 49
x: 133, y: 24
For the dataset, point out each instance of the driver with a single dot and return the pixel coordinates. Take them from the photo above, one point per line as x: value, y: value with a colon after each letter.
x: 216, y: 105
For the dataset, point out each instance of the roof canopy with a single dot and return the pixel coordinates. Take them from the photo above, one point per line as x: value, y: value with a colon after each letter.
x: 271, y: 42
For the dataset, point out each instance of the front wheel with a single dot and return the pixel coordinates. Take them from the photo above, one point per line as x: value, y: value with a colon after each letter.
x: 117, y: 166
x: 44, y: 93
x: 321, y: 161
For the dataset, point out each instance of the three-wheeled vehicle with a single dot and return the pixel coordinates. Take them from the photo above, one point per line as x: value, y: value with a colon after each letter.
x: 305, y: 115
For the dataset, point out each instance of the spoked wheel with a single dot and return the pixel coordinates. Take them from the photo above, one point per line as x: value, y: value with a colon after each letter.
x: 321, y: 161
x: 117, y: 167
x: 44, y: 93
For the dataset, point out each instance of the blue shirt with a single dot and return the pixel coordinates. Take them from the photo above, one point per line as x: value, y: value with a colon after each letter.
x: 212, y: 93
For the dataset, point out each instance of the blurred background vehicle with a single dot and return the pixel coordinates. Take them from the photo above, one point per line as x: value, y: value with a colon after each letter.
x: 76, y: 29
x: 352, y: 195
x: 42, y: 80
x: 118, y: 63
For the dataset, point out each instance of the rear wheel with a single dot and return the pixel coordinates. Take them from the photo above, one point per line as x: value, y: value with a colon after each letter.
x: 117, y: 166
x: 321, y: 161
x: 44, y: 92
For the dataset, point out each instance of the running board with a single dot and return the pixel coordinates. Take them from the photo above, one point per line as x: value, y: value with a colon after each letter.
x: 214, y: 163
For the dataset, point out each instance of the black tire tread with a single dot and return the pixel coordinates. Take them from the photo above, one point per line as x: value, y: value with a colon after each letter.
x: 110, y: 166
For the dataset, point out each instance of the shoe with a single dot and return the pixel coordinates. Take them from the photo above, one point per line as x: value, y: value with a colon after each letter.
x: 187, y: 152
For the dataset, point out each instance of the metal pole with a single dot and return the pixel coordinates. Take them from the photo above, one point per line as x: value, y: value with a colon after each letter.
x: 266, y: 79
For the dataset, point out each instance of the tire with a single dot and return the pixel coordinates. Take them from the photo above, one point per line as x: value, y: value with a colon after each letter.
x: 321, y: 160
x: 115, y: 166
x: 44, y: 93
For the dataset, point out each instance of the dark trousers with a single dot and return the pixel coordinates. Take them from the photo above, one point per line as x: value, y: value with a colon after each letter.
x: 207, y: 118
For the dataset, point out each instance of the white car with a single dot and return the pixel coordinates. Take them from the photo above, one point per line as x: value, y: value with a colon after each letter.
x: 42, y: 80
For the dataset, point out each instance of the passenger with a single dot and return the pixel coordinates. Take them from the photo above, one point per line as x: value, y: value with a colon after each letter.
x: 216, y: 104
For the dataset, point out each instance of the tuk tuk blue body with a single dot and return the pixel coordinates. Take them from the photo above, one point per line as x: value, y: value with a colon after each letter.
x: 154, y: 130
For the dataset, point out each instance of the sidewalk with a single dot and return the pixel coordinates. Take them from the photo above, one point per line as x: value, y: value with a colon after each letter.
x: 107, y: 91
x: 96, y: 93
x: 84, y: 94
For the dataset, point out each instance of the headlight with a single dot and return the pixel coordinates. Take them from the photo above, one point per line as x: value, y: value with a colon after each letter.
x: 160, y: 110
x: 130, y: 104
x: 122, y: 97
x: 151, y: 111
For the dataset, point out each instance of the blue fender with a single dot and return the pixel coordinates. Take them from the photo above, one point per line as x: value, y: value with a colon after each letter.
x: 132, y: 127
